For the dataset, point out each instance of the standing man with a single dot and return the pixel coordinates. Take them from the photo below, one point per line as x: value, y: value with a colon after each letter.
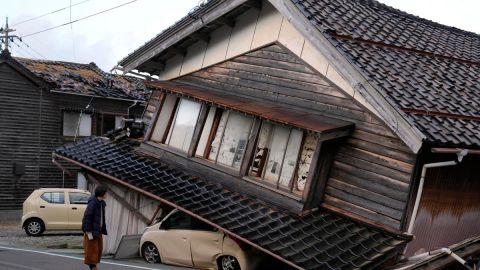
x: 93, y: 226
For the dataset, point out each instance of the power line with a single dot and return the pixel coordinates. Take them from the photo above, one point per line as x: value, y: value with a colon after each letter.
x: 26, y: 53
x: 51, y: 12
x: 33, y: 50
x: 77, y: 20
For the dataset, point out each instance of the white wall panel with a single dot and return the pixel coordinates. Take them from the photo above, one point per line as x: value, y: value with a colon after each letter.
x: 314, y: 59
x: 218, y: 45
x: 291, y: 38
x: 242, y: 34
x: 172, y: 68
x: 268, y: 26
x: 194, y: 59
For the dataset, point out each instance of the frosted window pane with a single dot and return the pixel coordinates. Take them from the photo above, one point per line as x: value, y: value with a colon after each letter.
x: 291, y: 156
x: 218, y: 137
x: 202, y: 143
x: 278, y: 145
x: 234, y: 141
x: 184, y: 125
x: 70, y: 124
x: 163, y: 118
x: 85, y: 125
x: 118, y: 122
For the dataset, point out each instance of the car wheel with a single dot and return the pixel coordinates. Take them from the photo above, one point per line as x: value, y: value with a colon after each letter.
x: 228, y: 263
x: 150, y: 253
x: 34, y: 227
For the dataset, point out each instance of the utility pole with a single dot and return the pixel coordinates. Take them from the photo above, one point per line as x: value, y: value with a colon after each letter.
x: 5, y: 37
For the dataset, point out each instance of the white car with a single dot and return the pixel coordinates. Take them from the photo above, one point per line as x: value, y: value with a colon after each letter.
x: 180, y: 239
x: 54, y: 209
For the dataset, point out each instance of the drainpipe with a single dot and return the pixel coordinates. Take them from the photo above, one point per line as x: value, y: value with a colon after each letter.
x: 460, y: 154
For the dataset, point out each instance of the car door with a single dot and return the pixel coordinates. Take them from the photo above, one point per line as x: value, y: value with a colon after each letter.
x: 205, y: 243
x: 175, y: 240
x: 77, y: 203
x: 53, y: 210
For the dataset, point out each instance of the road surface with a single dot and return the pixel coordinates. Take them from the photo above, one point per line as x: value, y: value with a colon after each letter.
x: 25, y: 259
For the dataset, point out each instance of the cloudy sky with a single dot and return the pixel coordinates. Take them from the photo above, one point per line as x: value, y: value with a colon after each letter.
x: 108, y: 37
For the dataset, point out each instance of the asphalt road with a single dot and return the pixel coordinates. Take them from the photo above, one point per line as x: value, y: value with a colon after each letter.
x: 26, y: 259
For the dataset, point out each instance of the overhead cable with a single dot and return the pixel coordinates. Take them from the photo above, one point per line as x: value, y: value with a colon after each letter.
x: 80, y: 19
x: 51, y: 12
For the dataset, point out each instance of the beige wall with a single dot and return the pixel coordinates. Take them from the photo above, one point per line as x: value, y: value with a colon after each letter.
x: 254, y: 29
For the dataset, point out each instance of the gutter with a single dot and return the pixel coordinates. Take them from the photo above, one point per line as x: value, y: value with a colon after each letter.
x: 95, y: 96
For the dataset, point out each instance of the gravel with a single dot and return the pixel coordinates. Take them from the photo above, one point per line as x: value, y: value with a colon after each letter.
x: 12, y: 234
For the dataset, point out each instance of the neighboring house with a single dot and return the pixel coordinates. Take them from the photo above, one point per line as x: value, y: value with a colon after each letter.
x: 302, y: 128
x: 41, y: 104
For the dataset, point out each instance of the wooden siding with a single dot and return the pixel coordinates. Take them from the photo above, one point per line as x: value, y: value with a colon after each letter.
x: 371, y: 171
x: 30, y: 129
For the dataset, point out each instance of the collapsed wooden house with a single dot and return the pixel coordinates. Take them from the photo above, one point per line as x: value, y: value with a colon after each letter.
x: 303, y: 127
x: 41, y: 104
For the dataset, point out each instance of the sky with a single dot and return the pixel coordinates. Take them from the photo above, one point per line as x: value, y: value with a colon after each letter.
x: 107, y: 38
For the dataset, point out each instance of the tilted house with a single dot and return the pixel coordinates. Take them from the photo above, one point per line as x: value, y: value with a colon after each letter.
x: 41, y: 104
x: 302, y: 127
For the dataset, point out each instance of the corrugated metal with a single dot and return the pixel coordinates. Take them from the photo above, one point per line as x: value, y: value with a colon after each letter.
x: 450, y: 207
x: 30, y: 129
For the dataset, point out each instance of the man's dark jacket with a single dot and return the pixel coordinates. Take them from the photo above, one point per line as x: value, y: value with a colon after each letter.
x: 91, y: 218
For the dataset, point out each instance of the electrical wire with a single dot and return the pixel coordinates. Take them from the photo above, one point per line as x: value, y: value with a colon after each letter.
x: 25, y: 53
x: 77, y: 20
x: 73, y: 36
x: 33, y: 50
x: 51, y: 12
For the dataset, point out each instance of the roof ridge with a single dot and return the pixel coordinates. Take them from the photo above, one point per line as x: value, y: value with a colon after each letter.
x: 376, y: 4
x: 48, y: 61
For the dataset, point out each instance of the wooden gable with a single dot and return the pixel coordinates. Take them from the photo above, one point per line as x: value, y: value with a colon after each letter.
x: 371, y: 171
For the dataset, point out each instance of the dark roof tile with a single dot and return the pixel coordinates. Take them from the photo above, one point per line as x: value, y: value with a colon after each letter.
x: 318, y: 240
x: 417, y: 64
x: 86, y: 79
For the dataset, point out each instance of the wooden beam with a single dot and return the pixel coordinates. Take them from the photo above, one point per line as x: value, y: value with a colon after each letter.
x: 178, y: 50
x: 253, y: 4
x: 226, y: 21
x: 198, y: 129
x: 312, y: 172
x: 250, y: 149
x: 121, y: 200
x: 200, y: 37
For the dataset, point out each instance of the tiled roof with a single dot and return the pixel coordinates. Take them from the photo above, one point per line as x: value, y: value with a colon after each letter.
x: 86, y: 79
x: 427, y: 71
x: 318, y: 240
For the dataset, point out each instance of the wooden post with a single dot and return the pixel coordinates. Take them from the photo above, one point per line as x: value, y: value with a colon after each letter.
x: 250, y: 149
x: 198, y: 130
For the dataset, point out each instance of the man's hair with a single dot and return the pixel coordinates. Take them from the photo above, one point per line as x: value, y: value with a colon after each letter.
x: 100, y: 191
